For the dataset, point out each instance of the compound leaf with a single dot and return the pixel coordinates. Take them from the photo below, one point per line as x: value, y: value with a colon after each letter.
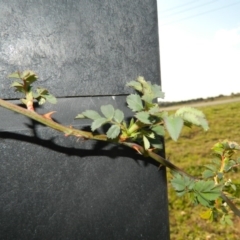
x: 206, y: 191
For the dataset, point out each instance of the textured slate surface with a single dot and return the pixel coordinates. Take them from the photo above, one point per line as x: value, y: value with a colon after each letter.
x: 53, y: 187
x: 108, y: 42
x: 47, y: 192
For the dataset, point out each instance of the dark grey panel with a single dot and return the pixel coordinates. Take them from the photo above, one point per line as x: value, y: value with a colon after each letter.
x: 55, y: 187
x: 72, y: 44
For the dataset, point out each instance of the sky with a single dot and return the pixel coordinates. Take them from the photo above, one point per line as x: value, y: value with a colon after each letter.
x: 199, y: 48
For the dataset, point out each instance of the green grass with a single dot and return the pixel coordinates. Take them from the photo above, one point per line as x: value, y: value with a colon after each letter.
x: 192, y: 151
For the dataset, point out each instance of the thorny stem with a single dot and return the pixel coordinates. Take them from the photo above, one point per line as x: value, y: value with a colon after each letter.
x: 88, y: 135
x: 50, y: 123
x: 30, y: 106
x: 221, y: 167
x: 222, y: 162
x: 230, y: 204
x: 156, y: 157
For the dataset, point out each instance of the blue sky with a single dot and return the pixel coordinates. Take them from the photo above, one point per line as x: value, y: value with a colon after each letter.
x: 199, y: 48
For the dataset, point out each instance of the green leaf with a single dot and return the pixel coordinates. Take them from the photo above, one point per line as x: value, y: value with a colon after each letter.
x: 108, y: 111
x: 150, y: 91
x: 234, y: 145
x: 181, y: 183
x: 188, y: 124
x: 131, y: 122
x: 98, y: 123
x: 208, y: 174
x: 220, y: 175
x: 150, y: 134
x: 18, y: 87
x: 183, y: 110
x: 226, y: 220
x: 146, y: 143
x: 135, y: 85
x: 178, y: 183
x: 144, y: 117
x: 207, y: 214
x: 218, y: 148
x: 16, y: 84
x: 50, y: 98
x: 113, y: 131
x: 206, y: 191
x: 153, y: 110
x: 91, y: 114
x: 80, y: 116
x: 146, y: 86
x: 148, y: 94
x: 24, y: 101
x: 143, y: 82
x: 124, y: 124
x: 174, y: 126
x: 211, y: 167
x: 156, y: 143
x: 194, y: 116
x: 15, y: 75
x: 159, y: 130
x: 229, y: 164
x: 118, y: 116
x: 29, y: 76
x: 42, y: 95
x: 233, y: 186
x: 42, y: 91
x: 41, y: 100
x: 157, y: 91
x: 134, y: 102
x: 148, y: 98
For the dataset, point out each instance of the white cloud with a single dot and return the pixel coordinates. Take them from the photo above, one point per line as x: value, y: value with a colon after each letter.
x: 194, y: 67
x: 228, y: 37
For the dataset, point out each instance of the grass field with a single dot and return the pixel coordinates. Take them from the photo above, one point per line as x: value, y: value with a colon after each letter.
x: 193, y: 150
